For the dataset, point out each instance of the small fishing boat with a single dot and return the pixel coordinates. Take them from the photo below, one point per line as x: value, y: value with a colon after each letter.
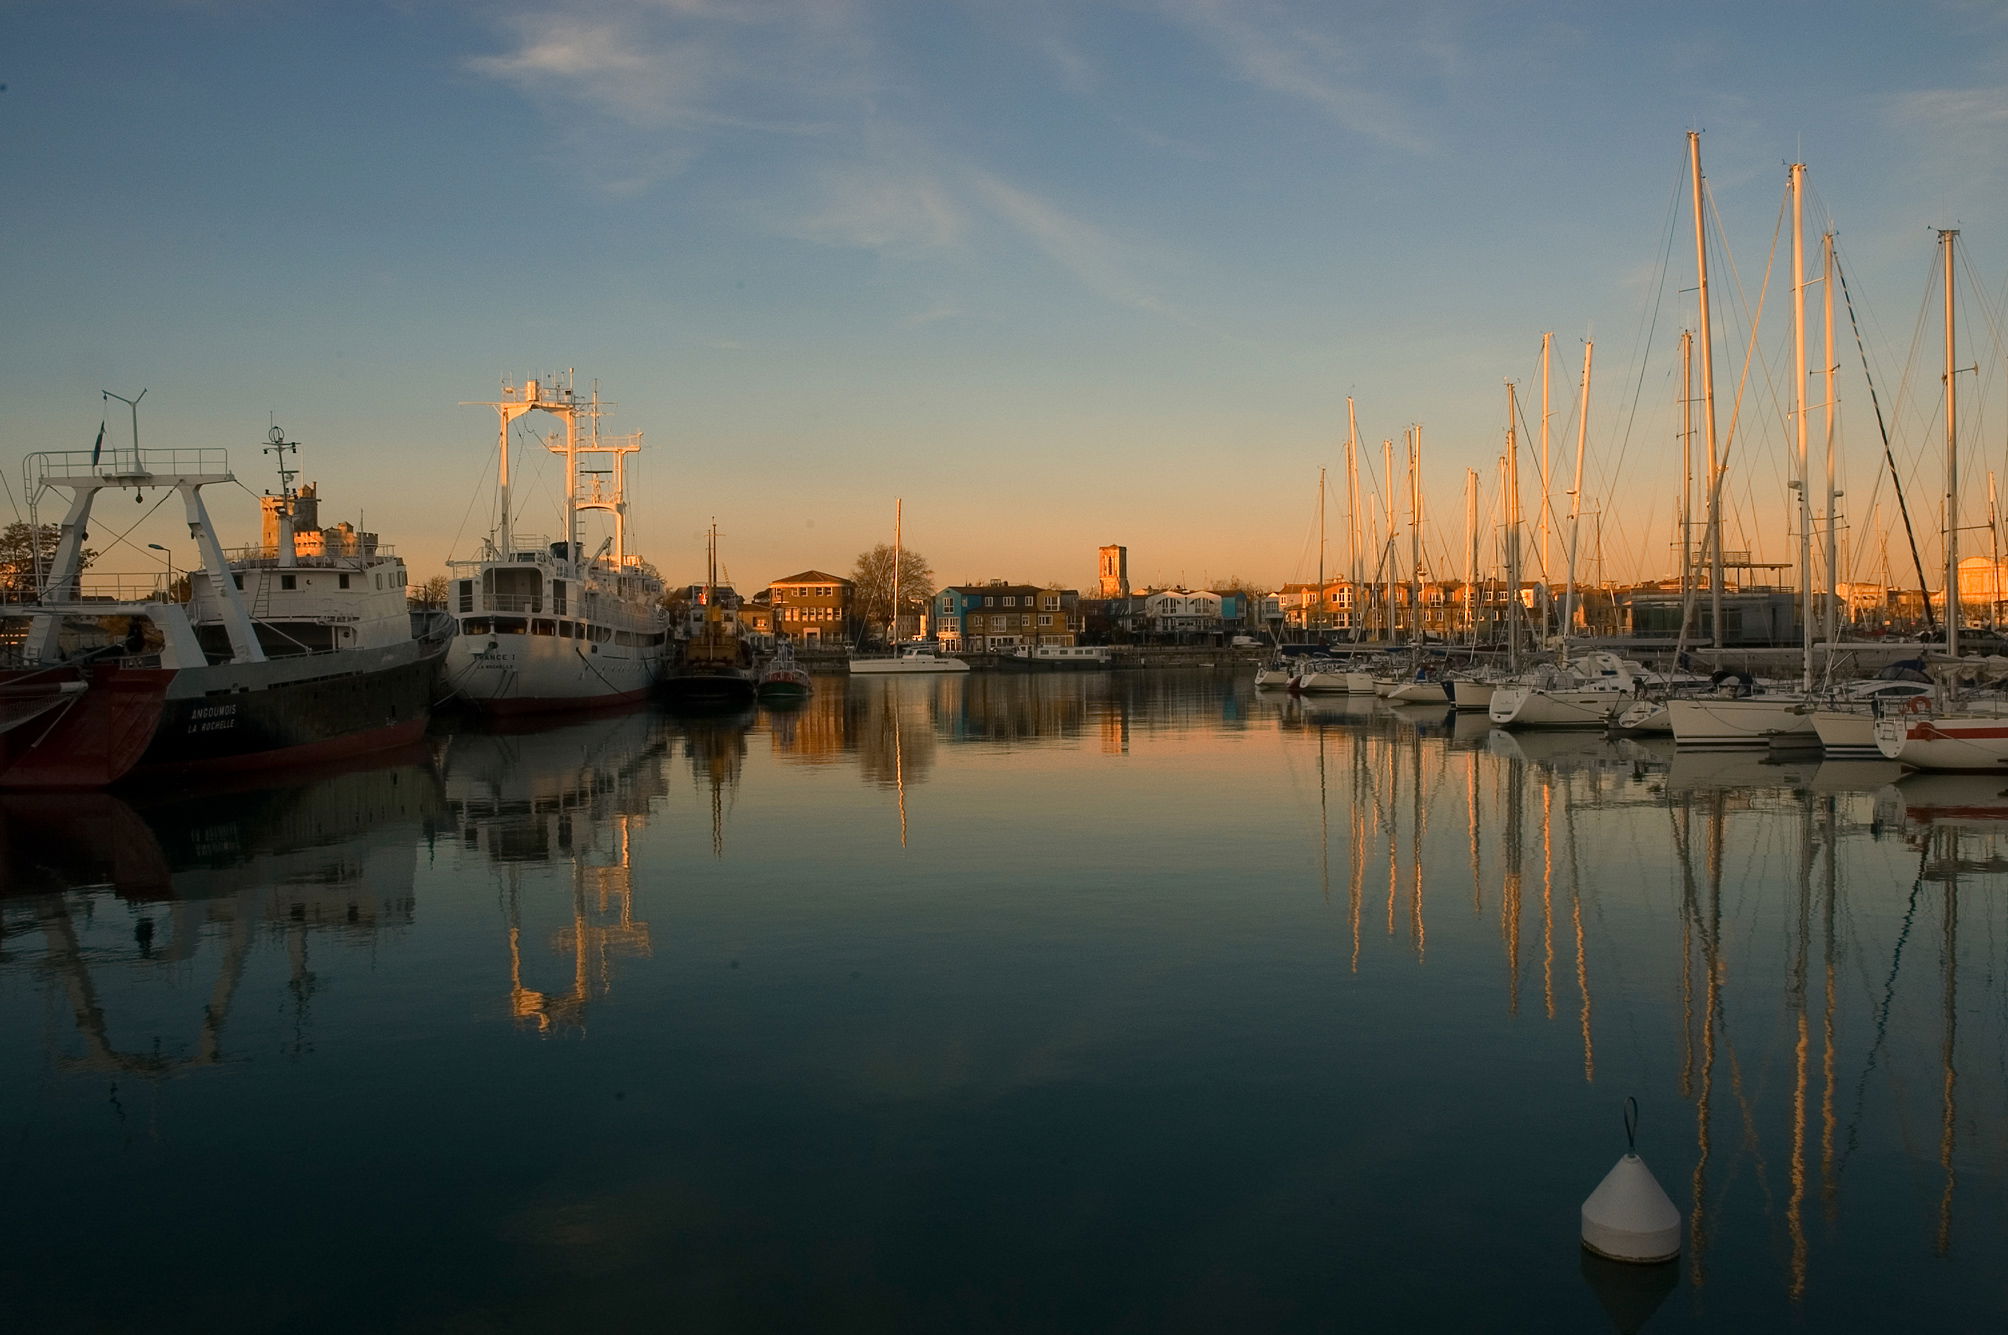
x: 782, y: 679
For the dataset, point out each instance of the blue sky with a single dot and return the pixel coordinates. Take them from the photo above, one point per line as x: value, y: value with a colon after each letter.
x: 1058, y: 274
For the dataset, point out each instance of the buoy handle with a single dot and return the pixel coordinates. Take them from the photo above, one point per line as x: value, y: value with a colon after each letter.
x: 1631, y: 1124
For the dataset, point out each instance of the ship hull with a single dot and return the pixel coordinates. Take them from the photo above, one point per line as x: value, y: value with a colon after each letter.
x: 542, y: 674
x: 139, y: 723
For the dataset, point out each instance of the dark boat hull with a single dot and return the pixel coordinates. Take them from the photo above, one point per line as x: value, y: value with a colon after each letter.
x: 141, y: 722
x: 709, y: 687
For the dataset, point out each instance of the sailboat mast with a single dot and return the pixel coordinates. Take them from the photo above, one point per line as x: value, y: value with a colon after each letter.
x: 1353, y: 516
x: 1387, y: 554
x: 1573, y: 600
x: 1512, y: 535
x: 1707, y: 398
x: 1796, y: 176
x: 1471, y: 552
x: 1318, y: 617
x: 1686, y: 483
x: 1945, y: 244
x: 1544, y: 516
x: 1831, y: 623
x: 1415, y: 534
x: 892, y: 624
x: 1994, y: 575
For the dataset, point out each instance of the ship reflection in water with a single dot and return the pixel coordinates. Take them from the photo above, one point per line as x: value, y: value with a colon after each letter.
x: 186, y: 887
x: 1037, y: 1002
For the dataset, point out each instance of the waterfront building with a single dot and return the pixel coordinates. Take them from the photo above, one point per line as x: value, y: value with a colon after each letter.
x: 997, y: 617
x: 811, y: 607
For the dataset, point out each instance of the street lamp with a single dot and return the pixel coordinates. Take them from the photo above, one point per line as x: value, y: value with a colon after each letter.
x: 169, y: 557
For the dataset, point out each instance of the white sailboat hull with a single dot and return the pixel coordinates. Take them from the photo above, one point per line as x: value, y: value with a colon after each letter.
x: 1727, y: 721
x: 1976, y: 741
x: 1516, y: 706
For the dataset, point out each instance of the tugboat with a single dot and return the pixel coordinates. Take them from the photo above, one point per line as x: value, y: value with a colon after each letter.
x: 543, y: 626
x: 716, y: 666
x: 783, y: 680
x: 299, y: 651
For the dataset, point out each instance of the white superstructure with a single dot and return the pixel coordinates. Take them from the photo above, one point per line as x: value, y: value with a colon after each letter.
x: 543, y: 625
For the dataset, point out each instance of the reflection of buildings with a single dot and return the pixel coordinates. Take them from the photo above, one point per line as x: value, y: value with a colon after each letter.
x: 149, y: 915
x: 556, y: 810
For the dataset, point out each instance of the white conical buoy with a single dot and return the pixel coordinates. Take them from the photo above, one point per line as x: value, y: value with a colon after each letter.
x: 1628, y: 1217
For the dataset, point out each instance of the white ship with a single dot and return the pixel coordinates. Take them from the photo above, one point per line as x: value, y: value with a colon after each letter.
x: 543, y: 624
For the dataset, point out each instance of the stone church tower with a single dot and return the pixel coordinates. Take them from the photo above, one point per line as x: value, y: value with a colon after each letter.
x: 1115, y: 572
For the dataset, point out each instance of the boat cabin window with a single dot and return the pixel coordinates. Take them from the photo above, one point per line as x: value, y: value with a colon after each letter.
x: 288, y: 582
x: 343, y: 580
x: 238, y: 580
x: 558, y: 596
x: 474, y: 626
x: 511, y: 625
x: 543, y: 627
x: 467, y: 595
x: 568, y: 630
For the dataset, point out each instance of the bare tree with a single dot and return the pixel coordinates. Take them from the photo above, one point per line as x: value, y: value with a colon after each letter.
x: 20, y: 547
x: 432, y: 593
x: 871, y: 579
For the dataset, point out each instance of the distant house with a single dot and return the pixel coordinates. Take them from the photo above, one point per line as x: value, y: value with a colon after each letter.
x: 998, y: 616
x: 1182, y: 613
x: 810, y: 607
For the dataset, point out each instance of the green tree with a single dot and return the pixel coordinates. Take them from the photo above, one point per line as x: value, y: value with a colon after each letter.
x: 871, y: 580
x: 20, y: 546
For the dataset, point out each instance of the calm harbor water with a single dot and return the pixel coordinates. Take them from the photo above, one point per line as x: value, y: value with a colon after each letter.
x: 1068, y: 1003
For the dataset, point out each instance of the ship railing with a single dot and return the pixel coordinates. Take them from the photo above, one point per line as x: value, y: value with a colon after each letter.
x: 328, y: 559
x: 127, y: 467
x: 521, y: 604
x: 98, y: 587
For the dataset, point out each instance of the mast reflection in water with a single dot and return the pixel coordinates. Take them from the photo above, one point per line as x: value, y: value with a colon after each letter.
x: 1037, y: 1002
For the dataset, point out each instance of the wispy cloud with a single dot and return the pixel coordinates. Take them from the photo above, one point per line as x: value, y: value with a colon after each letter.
x: 1277, y: 51
x: 1958, y: 133
x: 1095, y: 258
x: 877, y: 205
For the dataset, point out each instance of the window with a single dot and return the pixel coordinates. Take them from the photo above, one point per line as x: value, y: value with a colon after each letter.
x: 1045, y: 620
x: 343, y: 580
x: 288, y: 582
x: 990, y: 601
x: 1010, y: 600
x: 467, y: 595
x: 238, y: 580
